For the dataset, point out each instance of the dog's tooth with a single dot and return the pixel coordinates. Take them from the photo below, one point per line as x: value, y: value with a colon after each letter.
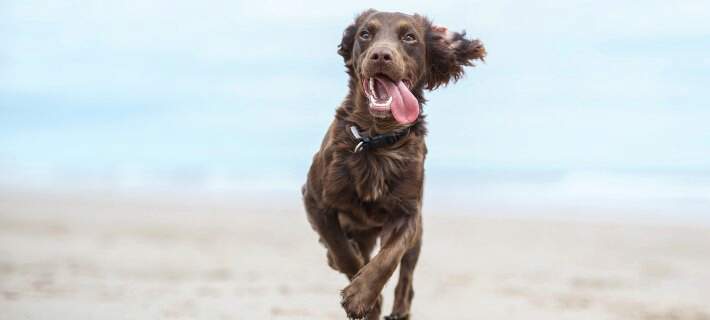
x: 382, y: 105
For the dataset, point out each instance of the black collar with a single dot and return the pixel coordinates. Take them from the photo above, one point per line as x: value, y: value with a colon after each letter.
x: 365, y: 142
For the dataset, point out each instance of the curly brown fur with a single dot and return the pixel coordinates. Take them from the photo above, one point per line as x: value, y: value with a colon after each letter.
x: 352, y: 199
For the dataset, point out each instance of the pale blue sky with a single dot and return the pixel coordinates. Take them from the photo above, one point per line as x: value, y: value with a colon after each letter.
x: 246, y: 89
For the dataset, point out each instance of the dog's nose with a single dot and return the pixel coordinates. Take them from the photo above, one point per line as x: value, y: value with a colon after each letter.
x: 381, y: 55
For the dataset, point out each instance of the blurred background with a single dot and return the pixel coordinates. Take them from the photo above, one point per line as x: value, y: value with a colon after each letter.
x: 152, y: 153
x: 579, y: 103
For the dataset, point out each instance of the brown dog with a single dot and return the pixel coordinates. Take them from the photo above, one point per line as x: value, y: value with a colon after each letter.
x: 366, y: 180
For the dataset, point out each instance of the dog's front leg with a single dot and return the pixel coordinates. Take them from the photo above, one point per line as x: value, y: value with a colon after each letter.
x: 339, y: 247
x: 361, y: 295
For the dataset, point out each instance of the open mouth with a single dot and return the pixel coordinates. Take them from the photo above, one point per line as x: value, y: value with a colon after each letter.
x: 389, y: 98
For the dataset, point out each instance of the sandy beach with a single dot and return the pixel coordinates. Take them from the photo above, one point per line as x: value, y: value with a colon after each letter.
x: 117, y: 257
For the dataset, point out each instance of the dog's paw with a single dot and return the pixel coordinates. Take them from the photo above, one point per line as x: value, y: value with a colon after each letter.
x: 357, y: 299
x: 397, y: 317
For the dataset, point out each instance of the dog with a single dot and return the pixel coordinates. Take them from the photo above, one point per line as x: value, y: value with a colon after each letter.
x: 366, y: 181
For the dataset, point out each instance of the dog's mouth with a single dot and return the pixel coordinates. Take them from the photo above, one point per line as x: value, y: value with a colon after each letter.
x: 389, y: 98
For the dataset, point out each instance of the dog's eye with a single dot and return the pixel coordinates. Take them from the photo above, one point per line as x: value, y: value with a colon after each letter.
x: 365, y: 35
x: 409, y: 38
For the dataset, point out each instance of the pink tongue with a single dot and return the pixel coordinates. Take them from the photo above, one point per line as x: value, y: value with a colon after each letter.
x: 405, y: 107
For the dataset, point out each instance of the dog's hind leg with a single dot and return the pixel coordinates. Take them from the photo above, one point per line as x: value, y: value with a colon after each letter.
x: 366, y: 241
x: 404, y: 291
x: 374, y: 313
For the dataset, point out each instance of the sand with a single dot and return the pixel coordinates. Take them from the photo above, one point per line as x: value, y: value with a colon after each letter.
x: 80, y: 256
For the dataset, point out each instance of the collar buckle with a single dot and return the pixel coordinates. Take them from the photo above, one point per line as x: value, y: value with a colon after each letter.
x: 359, y: 147
x: 355, y: 133
x: 361, y: 141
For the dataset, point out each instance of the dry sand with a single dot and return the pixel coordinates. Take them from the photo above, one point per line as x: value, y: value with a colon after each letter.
x: 107, y: 257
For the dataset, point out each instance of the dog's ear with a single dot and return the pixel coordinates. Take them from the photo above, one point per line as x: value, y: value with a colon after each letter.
x: 448, y: 53
x: 345, y: 49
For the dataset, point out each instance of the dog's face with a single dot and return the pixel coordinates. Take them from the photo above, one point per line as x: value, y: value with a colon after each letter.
x: 393, y: 56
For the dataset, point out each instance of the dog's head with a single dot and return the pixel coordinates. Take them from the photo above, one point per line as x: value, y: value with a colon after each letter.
x: 392, y: 57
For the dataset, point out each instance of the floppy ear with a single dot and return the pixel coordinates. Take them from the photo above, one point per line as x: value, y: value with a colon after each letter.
x: 345, y: 49
x: 448, y: 53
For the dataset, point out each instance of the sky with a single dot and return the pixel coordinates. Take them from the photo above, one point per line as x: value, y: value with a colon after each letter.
x: 224, y: 92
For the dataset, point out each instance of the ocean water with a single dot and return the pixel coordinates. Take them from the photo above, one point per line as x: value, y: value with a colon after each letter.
x: 626, y: 196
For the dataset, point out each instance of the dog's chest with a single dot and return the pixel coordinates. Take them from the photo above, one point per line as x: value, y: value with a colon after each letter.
x: 374, y: 175
x: 373, y: 178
